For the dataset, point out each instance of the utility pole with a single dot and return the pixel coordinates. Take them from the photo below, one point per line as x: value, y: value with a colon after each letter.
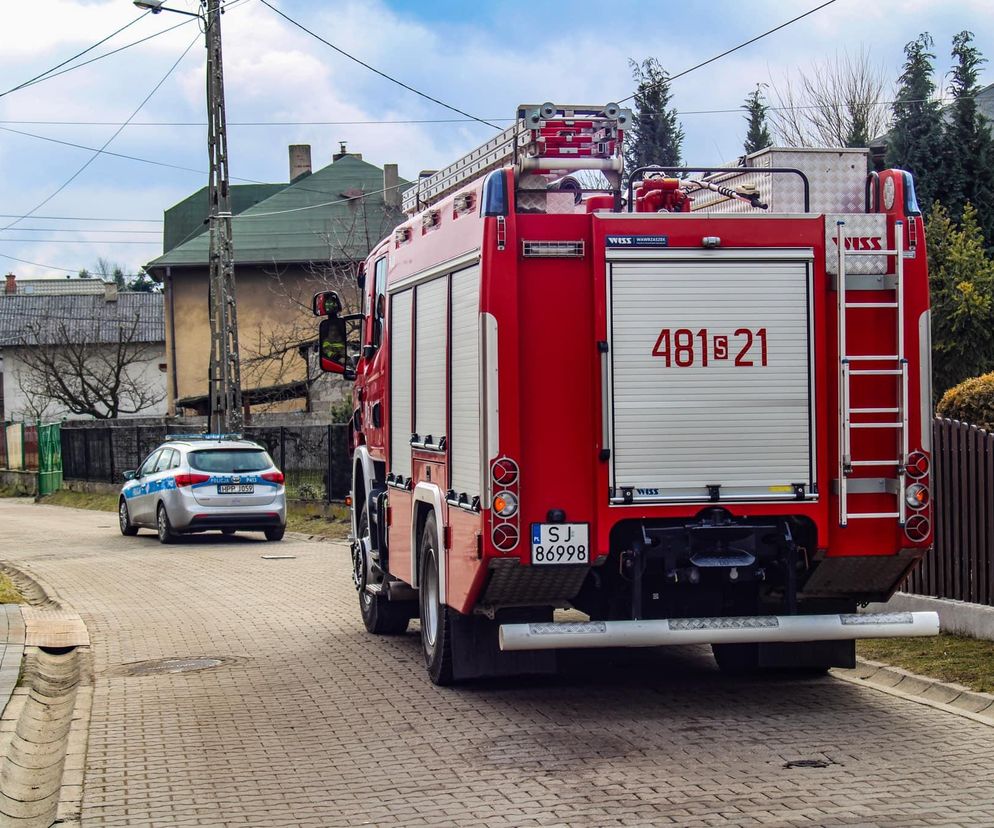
x: 225, y: 392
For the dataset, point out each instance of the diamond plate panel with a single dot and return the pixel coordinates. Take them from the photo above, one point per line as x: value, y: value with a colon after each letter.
x: 864, y: 231
x: 740, y: 622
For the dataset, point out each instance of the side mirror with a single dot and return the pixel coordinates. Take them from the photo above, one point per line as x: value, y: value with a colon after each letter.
x: 131, y: 474
x: 360, y: 278
x: 332, y: 346
x: 326, y: 303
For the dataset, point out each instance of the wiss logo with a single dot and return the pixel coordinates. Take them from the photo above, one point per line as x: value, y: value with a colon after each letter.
x: 862, y: 243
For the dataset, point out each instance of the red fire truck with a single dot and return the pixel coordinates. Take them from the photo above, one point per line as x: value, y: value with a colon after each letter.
x: 690, y: 405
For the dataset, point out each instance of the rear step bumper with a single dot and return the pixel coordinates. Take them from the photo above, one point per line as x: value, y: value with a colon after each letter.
x: 747, y: 629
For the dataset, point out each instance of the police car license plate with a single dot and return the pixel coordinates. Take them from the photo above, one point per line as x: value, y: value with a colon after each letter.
x: 235, y: 488
x: 560, y: 543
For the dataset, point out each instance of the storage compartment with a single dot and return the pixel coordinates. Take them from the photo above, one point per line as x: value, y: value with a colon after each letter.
x: 710, y: 375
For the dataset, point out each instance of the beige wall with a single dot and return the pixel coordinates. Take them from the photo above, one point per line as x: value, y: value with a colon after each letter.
x: 273, y: 315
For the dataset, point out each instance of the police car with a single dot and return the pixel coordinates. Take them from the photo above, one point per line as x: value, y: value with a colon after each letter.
x: 200, y: 482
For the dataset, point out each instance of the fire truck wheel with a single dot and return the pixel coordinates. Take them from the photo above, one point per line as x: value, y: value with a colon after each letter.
x: 380, y: 615
x: 436, y: 629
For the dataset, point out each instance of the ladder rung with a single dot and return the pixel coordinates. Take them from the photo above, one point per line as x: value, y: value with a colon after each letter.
x: 876, y: 372
x: 874, y: 410
x: 871, y: 358
x: 871, y: 304
x: 870, y: 252
x: 876, y: 425
x: 855, y: 515
x: 874, y: 462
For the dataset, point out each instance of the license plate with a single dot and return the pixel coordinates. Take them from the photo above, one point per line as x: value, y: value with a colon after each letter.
x: 560, y: 543
x: 235, y: 488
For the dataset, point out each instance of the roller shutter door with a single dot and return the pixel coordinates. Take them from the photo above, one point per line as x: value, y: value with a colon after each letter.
x: 429, y: 359
x: 464, y: 441
x: 710, y: 364
x: 400, y: 382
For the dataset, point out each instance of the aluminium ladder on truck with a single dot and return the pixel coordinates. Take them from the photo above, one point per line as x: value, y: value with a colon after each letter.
x: 893, y: 365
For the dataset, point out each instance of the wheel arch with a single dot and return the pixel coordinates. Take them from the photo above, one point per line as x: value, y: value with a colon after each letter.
x: 427, y: 498
x: 363, y: 476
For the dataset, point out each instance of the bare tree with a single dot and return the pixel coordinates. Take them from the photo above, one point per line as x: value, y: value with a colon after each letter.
x: 101, y: 380
x: 283, y: 351
x: 837, y: 102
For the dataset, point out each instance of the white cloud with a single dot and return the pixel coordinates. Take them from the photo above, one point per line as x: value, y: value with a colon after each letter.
x: 486, y: 63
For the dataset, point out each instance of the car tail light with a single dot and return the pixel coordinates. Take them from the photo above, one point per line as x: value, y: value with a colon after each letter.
x: 191, y: 479
x: 274, y: 477
x: 504, y: 528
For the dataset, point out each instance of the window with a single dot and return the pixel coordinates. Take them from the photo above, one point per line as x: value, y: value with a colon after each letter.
x: 379, y: 299
x: 177, y: 457
x: 149, y: 464
x: 165, y: 459
x: 229, y: 461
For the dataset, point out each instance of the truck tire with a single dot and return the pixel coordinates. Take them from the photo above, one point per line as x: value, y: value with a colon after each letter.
x: 436, y: 627
x: 379, y: 615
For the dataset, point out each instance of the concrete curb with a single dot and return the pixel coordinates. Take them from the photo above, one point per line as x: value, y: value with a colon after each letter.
x: 45, y: 726
x: 952, y: 698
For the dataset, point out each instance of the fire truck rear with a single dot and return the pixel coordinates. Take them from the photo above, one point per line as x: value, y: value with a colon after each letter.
x: 691, y: 409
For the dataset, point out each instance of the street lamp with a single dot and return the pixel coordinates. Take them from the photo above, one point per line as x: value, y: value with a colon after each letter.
x: 224, y: 378
x: 156, y: 6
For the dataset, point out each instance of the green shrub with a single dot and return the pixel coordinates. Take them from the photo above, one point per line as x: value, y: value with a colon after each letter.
x: 972, y: 401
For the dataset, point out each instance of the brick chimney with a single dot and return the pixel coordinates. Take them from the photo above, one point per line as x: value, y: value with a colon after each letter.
x: 391, y: 186
x: 11, y: 286
x: 344, y: 153
x: 300, y: 161
x: 110, y: 291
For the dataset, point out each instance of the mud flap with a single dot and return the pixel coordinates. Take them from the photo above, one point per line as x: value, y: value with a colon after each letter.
x: 477, y: 654
x: 808, y: 655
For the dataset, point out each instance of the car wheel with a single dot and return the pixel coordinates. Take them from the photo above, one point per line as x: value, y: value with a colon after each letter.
x: 436, y: 632
x: 124, y: 519
x: 163, y: 526
x: 276, y: 533
x: 380, y: 615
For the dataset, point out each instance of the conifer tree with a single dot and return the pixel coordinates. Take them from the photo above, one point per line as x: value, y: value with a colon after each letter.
x: 656, y: 136
x: 916, y: 137
x: 968, y: 145
x: 758, y: 134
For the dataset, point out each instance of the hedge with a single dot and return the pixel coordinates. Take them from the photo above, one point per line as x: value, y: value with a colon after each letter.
x: 972, y: 401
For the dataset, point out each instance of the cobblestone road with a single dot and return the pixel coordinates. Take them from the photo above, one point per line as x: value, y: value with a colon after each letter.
x: 313, y: 722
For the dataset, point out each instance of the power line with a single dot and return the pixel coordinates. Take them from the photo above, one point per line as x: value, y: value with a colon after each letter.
x: 735, y: 48
x: 84, y: 241
x: 374, y: 69
x: 43, y: 75
x: 84, y: 230
x: 117, y: 132
x: 53, y: 74
x: 84, y: 218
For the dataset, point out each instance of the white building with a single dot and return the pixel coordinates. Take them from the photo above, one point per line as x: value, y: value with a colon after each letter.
x: 77, y: 354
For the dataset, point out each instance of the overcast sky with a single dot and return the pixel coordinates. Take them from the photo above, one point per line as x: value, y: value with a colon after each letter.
x: 484, y: 58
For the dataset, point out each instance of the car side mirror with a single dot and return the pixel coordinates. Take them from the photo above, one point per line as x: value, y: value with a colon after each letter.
x: 131, y: 474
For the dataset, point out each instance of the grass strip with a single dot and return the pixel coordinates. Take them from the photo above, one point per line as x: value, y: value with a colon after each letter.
x: 9, y: 594
x: 955, y: 658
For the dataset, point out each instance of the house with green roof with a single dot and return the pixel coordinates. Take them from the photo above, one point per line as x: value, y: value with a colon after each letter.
x: 290, y: 241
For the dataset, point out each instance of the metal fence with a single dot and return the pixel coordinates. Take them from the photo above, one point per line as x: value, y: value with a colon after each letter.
x: 314, y: 458
x: 961, y: 566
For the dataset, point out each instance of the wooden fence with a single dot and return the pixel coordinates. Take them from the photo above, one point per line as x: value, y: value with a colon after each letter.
x: 962, y: 564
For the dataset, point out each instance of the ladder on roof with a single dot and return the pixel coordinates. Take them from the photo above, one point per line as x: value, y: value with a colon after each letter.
x: 543, y: 138
x: 879, y: 365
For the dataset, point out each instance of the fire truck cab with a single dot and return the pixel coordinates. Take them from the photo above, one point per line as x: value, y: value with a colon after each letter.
x: 691, y: 409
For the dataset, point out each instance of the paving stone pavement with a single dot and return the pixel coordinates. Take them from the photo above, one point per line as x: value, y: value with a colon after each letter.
x: 312, y: 722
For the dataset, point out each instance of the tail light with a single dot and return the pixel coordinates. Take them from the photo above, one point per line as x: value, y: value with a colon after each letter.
x: 274, y: 477
x: 504, y: 528
x: 191, y: 479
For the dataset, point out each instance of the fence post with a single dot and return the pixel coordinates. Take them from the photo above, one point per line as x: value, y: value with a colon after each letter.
x: 110, y: 451
x: 138, y: 446
x: 86, y: 456
x: 283, y: 449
